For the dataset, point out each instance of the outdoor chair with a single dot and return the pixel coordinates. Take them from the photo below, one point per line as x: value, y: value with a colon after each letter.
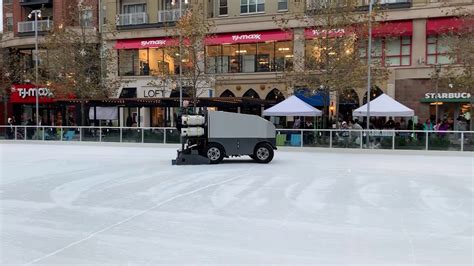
x: 295, y: 140
x: 69, y: 135
x: 280, y: 139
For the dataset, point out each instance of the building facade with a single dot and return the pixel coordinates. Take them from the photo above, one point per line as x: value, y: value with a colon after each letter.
x: 19, y: 38
x: 249, y: 53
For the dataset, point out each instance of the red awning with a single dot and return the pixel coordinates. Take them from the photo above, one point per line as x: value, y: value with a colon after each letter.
x: 314, y: 33
x: 146, y: 43
x: 448, y: 24
x: 250, y: 37
x: 393, y: 28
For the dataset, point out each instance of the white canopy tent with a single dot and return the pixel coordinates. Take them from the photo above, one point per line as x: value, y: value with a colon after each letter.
x: 293, y: 106
x: 384, y: 105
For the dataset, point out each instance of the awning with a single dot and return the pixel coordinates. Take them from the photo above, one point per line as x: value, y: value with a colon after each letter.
x: 146, y: 43
x: 393, y: 28
x: 104, y: 113
x: 249, y: 37
x: 448, y: 24
x: 332, y: 33
x: 313, y: 100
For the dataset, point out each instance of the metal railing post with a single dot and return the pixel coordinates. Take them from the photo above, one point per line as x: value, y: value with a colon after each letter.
x: 61, y: 132
x: 361, y: 139
x: 164, y: 136
x: 301, y: 143
x: 25, y: 134
x: 330, y: 138
x: 121, y: 134
x: 393, y: 140
x: 43, y: 134
x: 80, y: 134
x: 16, y: 132
x: 426, y: 140
x: 462, y: 141
x: 100, y: 134
x: 143, y: 135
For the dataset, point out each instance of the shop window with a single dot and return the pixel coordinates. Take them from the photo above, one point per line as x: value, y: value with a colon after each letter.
x: 252, y: 6
x: 282, y: 5
x: 249, y: 58
x: 391, y: 51
x: 437, y: 51
x: 251, y: 94
x: 128, y: 93
x: 135, y: 8
x: 223, y: 7
x: 128, y: 62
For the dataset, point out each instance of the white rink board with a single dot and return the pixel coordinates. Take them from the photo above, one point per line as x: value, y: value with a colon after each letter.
x: 78, y: 204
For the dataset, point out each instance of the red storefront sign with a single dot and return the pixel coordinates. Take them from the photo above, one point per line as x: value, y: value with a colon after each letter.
x: 26, y: 94
x: 249, y: 37
x: 448, y: 24
x: 146, y: 43
x: 392, y: 28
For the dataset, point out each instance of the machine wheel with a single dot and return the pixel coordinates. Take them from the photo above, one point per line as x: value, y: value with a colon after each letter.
x: 263, y: 153
x: 214, y: 152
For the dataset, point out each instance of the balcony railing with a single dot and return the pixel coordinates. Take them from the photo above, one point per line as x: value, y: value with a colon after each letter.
x: 133, y: 19
x: 29, y: 26
x: 169, y: 15
x: 321, y: 4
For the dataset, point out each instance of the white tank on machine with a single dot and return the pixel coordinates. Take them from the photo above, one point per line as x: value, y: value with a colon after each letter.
x: 192, y: 132
x: 193, y: 120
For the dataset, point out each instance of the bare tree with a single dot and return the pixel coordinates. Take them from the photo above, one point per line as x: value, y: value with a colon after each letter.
x: 192, y: 29
x: 74, y: 60
x: 334, y: 60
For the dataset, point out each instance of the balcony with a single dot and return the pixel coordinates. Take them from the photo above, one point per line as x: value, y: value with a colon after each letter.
x: 131, y: 19
x: 363, y: 4
x: 170, y: 15
x: 32, y: 3
x: 29, y: 26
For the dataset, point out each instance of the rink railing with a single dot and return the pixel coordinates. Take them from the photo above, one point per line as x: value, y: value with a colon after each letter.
x: 323, y: 138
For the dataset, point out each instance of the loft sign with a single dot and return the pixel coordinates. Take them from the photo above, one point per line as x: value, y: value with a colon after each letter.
x: 31, y: 92
x: 448, y: 95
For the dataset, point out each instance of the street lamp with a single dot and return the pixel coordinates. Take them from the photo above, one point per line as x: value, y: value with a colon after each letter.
x: 437, y: 68
x: 36, y: 14
x: 173, y: 2
x: 369, y: 74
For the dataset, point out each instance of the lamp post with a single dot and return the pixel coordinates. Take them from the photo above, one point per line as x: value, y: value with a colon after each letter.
x: 37, y: 14
x: 369, y: 69
x: 437, y: 68
x: 180, y: 54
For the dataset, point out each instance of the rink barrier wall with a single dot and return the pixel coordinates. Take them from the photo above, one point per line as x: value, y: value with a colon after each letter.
x: 320, y: 138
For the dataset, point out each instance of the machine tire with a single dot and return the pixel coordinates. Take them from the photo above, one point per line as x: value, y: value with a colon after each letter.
x: 214, y: 152
x: 263, y: 153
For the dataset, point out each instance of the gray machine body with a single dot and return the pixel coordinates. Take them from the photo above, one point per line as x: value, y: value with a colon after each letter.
x: 239, y: 133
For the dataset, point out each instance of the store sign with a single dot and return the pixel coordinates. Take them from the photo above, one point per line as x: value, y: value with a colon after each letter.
x: 249, y: 37
x: 152, y: 93
x: 448, y: 95
x: 26, y: 93
x: 146, y: 43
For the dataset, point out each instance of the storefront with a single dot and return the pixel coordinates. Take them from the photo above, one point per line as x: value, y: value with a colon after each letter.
x: 451, y: 105
x: 23, y: 101
x: 249, y: 52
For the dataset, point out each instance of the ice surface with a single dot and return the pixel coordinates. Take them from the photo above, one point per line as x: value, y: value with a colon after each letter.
x: 77, y: 204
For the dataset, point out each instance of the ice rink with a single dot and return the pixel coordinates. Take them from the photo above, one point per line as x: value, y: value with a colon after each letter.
x: 85, y: 204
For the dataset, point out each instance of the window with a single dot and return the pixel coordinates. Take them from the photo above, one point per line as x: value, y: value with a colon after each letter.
x: 9, y: 24
x: 133, y: 62
x: 252, y: 6
x: 282, y: 5
x: 437, y: 52
x: 223, y: 7
x: 136, y: 8
x: 391, y: 51
x: 86, y: 18
x: 249, y: 58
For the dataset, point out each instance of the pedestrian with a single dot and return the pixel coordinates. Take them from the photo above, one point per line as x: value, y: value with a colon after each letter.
x: 10, y: 129
x: 427, y: 126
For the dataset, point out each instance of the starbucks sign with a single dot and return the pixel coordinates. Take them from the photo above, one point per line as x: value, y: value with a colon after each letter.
x: 448, y: 95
